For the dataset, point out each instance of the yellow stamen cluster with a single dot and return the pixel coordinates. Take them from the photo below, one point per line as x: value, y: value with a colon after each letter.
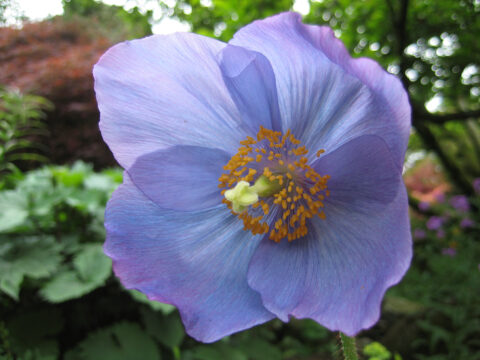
x: 301, y: 190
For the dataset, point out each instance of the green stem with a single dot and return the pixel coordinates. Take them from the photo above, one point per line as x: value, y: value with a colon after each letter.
x: 348, y: 347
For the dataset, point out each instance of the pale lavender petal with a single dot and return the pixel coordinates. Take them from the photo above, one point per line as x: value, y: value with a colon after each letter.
x: 362, y: 172
x: 165, y: 90
x: 251, y: 82
x: 181, y: 177
x: 338, y: 274
x: 325, y: 97
x: 196, y: 261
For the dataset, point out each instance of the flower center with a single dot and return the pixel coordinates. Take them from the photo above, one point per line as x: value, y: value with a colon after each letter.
x: 286, y: 191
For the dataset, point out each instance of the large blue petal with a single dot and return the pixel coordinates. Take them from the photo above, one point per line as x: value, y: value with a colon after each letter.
x: 250, y: 79
x: 338, y: 274
x: 196, y: 261
x: 362, y: 172
x: 165, y: 90
x: 325, y: 97
x: 181, y: 177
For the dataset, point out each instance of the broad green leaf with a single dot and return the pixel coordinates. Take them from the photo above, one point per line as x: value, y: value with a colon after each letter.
x: 14, y: 210
x: 33, y: 257
x: 124, y: 341
x: 10, y: 283
x: 91, y: 269
x: 92, y: 264
x: 168, y: 329
x: 99, y: 182
x: 68, y: 177
x: 376, y: 351
x: 65, y: 286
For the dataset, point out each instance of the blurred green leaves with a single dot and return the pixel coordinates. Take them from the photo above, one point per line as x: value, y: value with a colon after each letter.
x: 114, y: 22
x: 222, y: 18
x: 39, y: 231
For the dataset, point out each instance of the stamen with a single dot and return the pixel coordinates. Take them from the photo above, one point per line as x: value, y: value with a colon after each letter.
x: 286, y: 191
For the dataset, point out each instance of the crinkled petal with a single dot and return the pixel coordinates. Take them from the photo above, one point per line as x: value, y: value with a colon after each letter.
x: 338, y: 274
x: 181, y: 177
x: 250, y: 79
x: 196, y: 261
x: 325, y: 97
x: 165, y: 90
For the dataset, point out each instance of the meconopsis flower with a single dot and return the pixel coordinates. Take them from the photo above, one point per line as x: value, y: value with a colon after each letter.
x: 263, y: 177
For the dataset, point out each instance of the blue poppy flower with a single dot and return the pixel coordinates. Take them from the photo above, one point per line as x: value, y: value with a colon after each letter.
x: 263, y: 177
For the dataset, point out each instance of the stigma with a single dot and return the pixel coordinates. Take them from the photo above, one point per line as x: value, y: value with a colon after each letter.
x: 269, y: 185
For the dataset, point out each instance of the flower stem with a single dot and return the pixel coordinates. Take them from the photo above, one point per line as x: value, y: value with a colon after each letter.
x: 348, y: 347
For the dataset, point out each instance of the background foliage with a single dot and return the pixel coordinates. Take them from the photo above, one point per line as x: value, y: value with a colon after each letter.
x: 58, y: 297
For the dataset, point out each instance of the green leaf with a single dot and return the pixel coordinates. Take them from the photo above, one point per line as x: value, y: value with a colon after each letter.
x: 91, y: 269
x: 14, y: 210
x: 65, y: 286
x: 124, y: 341
x: 68, y: 177
x: 10, y: 283
x: 92, y: 264
x: 168, y: 330
x: 99, y: 182
x: 376, y: 351
x: 33, y: 257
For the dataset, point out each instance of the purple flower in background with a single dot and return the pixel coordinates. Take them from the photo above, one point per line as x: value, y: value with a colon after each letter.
x: 466, y: 223
x: 263, y: 177
x: 423, y: 205
x: 476, y: 185
x: 449, y: 252
x: 440, y: 233
x: 419, y: 234
x: 460, y: 203
x: 434, y: 223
